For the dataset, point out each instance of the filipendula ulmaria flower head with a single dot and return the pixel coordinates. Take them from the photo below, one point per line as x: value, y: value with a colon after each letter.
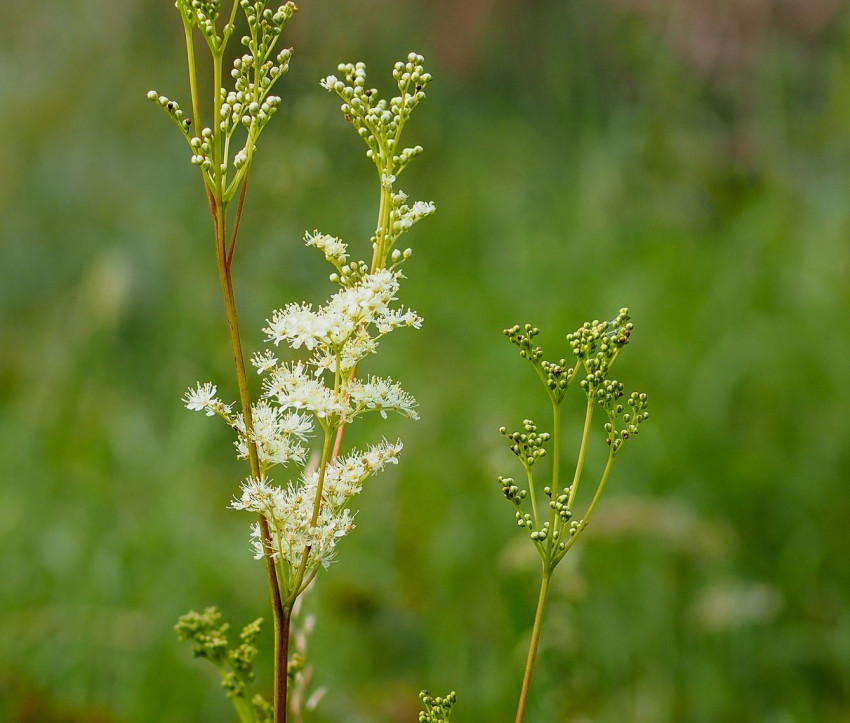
x: 595, y: 347
x: 320, y: 392
x: 315, y: 389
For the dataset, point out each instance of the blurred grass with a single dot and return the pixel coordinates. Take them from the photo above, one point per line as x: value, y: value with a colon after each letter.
x: 687, y: 160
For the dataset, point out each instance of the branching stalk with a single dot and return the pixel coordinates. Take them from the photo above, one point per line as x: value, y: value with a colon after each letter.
x: 535, y: 642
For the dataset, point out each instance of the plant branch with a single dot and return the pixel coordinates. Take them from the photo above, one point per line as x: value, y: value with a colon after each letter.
x: 535, y: 642
x: 281, y: 625
x: 236, y: 221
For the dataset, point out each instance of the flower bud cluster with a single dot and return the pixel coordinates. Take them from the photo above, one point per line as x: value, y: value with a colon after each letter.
x: 556, y: 375
x: 209, y: 635
x: 289, y: 510
x: 596, y: 346
x: 511, y: 491
x: 265, y: 25
x: 631, y: 420
x: 202, y: 14
x: 403, y: 216
x: 249, y: 105
x: 173, y: 109
x: 380, y: 123
x: 524, y: 341
x: 437, y: 709
x: 377, y: 121
x: 527, y: 445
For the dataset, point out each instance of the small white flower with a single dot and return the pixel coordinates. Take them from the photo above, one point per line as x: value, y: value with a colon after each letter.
x: 263, y: 361
x: 202, y: 399
x: 382, y: 395
x: 408, y: 216
x: 293, y: 388
x: 333, y: 249
x: 395, y: 318
x: 297, y: 325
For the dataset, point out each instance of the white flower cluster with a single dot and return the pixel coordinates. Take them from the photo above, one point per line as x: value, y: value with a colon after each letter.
x: 310, y: 514
x: 290, y: 511
x: 334, y: 250
x: 339, y: 331
x: 302, y: 520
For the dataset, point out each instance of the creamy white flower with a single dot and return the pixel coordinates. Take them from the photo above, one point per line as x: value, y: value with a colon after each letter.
x: 357, y: 347
x: 263, y: 361
x: 293, y: 388
x: 394, y: 318
x: 277, y: 435
x: 289, y: 513
x: 333, y: 324
x: 333, y: 249
x: 203, y: 399
x: 382, y: 395
x: 408, y: 216
x: 330, y: 82
x: 297, y: 324
x: 345, y: 477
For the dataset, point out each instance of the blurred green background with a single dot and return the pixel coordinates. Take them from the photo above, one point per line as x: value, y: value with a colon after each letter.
x: 686, y: 158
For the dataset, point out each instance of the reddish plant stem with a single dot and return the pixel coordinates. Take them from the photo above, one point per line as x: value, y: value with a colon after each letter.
x: 280, y: 615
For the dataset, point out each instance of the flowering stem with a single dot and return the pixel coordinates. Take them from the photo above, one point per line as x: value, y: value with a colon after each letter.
x: 281, y: 619
x: 379, y: 261
x: 296, y: 588
x: 535, y: 642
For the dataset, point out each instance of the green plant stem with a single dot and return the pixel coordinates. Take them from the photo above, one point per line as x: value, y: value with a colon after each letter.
x: 244, y: 710
x: 582, y: 452
x: 556, y: 474
x: 605, y: 474
x: 281, y: 626
x: 535, y: 642
x: 378, y: 262
x: 236, y: 222
x: 296, y: 589
x: 193, y: 76
x: 224, y: 258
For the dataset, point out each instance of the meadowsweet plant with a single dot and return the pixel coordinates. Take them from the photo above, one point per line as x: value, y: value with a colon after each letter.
x: 301, y: 481
x: 549, y: 515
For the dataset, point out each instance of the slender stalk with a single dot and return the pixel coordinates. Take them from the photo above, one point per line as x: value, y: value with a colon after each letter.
x: 281, y: 620
x: 236, y: 222
x: 552, y: 540
x: 218, y: 201
x: 588, y: 416
x: 605, y: 474
x: 378, y: 262
x: 535, y: 642
x: 193, y: 76
x: 317, y: 503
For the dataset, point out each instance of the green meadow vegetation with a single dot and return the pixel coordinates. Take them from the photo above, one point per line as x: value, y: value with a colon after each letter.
x: 688, y: 160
